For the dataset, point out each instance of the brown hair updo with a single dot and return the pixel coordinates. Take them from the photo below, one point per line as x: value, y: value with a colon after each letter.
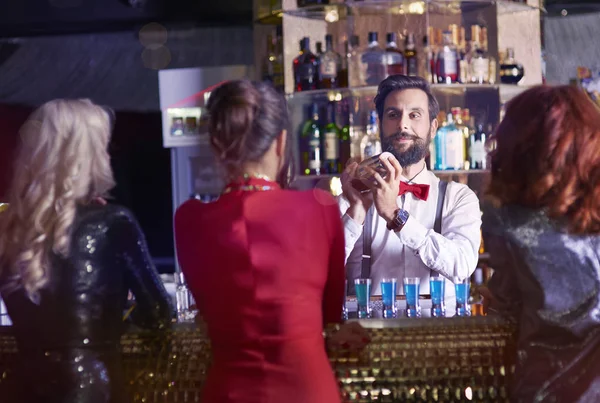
x: 244, y: 119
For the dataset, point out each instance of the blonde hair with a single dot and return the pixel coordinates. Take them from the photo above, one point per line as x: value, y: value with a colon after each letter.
x: 63, y: 161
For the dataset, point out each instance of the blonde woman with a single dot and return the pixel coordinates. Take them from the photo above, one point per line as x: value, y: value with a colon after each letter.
x: 68, y: 259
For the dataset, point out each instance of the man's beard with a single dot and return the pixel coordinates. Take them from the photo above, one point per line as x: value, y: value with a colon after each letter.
x: 413, y: 154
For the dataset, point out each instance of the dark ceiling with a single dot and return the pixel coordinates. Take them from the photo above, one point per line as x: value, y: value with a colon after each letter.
x: 44, y: 17
x: 49, y: 17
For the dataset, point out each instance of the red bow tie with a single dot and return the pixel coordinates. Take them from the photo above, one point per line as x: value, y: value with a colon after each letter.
x: 420, y: 191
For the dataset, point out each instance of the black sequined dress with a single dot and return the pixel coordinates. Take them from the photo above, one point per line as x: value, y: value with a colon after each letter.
x: 68, y: 343
x: 549, y: 281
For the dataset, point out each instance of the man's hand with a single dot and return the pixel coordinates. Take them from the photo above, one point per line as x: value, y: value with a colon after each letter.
x: 385, y: 191
x: 359, y: 202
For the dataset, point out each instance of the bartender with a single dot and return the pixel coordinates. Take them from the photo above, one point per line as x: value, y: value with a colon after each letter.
x: 410, y: 223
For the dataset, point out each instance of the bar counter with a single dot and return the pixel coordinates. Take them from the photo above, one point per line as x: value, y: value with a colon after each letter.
x: 416, y: 360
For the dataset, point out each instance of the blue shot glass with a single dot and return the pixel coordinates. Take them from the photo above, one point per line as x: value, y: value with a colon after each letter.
x: 411, y: 291
x: 345, y: 306
x: 388, y: 296
x: 362, y: 287
x: 462, y: 297
x: 437, y: 288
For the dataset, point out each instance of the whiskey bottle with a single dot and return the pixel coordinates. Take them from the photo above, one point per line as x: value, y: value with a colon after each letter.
x: 511, y: 71
x: 310, y: 144
x: 373, y: 61
x: 329, y: 64
x: 331, y: 142
x: 393, y: 56
x: 464, y: 130
x: 410, y: 56
x: 477, y: 152
x: 356, y: 69
x: 343, y: 71
x: 447, y: 61
x: 305, y: 68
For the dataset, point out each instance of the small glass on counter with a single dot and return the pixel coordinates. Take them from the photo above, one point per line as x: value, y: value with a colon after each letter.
x: 437, y: 289
x: 344, y: 306
x: 362, y: 287
x: 462, y: 297
x: 411, y: 291
x: 388, y: 296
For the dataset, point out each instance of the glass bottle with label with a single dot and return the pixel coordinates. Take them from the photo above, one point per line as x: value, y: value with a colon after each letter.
x: 410, y: 56
x: 345, y: 139
x: 373, y: 61
x: 273, y: 64
x: 331, y: 142
x: 393, y: 56
x: 511, y: 71
x: 370, y: 143
x: 310, y: 144
x: 329, y: 66
x: 305, y: 68
x: 477, y: 152
x: 447, y: 61
x: 449, y: 150
x: 464, y: 129
x: 356, y: 69
x: 480, y: 65
x: 343, y: 71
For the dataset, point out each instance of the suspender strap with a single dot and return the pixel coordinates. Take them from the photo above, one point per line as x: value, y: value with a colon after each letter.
x: 365, y: 271
x: 437, y: 224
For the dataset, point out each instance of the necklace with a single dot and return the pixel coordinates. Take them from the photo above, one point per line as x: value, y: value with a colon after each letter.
x: 411, y: 179
x: 243, y: 184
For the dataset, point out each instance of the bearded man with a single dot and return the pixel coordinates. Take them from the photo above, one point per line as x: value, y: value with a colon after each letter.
x: 409, y: 223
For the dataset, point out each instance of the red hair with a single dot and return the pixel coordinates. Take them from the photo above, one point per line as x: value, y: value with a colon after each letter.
x: 547, y: 156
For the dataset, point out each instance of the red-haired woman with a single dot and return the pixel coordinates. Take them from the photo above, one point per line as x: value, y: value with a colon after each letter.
x: 542, y: 227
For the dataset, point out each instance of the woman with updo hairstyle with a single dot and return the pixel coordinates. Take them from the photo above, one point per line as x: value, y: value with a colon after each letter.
x: 68, y: 260
x: 541, y: 225
x: 264, y: 264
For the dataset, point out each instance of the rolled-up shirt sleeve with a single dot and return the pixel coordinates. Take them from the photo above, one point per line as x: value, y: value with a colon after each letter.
x: 454, y: 252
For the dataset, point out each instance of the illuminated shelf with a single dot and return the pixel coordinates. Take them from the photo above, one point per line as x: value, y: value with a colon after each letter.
x: 335, y: 12
x: 507, y: 91
x: 446, y: 172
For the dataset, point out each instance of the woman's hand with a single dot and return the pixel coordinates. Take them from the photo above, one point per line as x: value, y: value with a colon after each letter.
x: 350, y: 336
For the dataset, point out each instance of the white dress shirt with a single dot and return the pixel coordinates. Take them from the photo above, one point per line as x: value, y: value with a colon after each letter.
x: 417, y: 249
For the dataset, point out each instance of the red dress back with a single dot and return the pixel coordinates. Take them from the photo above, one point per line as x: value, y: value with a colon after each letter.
x: 267, y: 271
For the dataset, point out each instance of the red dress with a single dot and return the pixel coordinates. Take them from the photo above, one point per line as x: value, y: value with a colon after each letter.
x: 267, y: 271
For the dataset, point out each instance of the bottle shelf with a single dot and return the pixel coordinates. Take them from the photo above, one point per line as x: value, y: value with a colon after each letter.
x: 436, y: 172
x: 507, y: 91
x: 339, y: 11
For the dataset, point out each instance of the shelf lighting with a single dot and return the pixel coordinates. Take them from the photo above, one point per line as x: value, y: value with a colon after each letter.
x: 417, y: 7
x: 332, y: 15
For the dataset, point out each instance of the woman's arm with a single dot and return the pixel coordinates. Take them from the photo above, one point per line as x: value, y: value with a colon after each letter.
x: 154, y: 308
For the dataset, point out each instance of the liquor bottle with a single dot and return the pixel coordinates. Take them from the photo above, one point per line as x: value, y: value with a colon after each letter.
x: 183, y: 299
x: 329, y: 65
x: 310, y: 144
x: 345, y: 139
x: 477, y: 152
x: 410, y: 56
x: 426, y: 63
x: 331, y: 142
x: 370, y: 143
x: 447, y: 61
x: 468, y: 122
x: 273, y: 64
x: 319, y: 49
x: 511, y: 72
x: 343, y: 72
x: 463, y: 68
x: 449, y: 146
x: 475, y: 298
x: 393, y: 56
x: 305, y: 68
x: 480, y: 63
x: 464, y: 130
x: 356, y: 69
x: 373, y: 61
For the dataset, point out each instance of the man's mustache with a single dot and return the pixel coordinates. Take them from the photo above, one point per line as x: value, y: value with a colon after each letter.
x: 401, y: 136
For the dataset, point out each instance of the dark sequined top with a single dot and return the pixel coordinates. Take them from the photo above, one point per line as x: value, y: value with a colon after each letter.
x: 69, y: 341
x: 549, y: 281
